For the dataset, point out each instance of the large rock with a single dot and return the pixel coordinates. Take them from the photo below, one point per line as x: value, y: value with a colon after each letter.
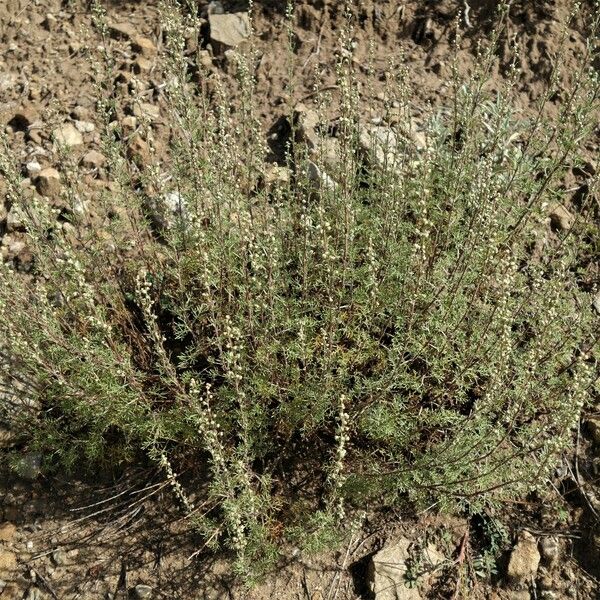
x: 379, y: 145
x: 167, y: 211
x: 8, y: 562
x: 318, y: 179
x: 68, y: 135
x: 48, y: 182
x: 122, y: 31
x: 144, y: 46
x: 593, y: 428
x: 524, y: 560
x: 229, y: 30
x: 387, y: 573
x: 306, y: 121
x: 93, y: 160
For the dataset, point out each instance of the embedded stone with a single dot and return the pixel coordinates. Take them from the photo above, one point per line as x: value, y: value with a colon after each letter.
x: 143, y: 591
x: 146, y: 110
x: 93, y: 160
x: 550, y: 549
x: 524, y: 559
x: 8, y: 561
x: 84, y: 126
x: 387, y: 573
x: 7, y: 531
x: 48, y: 182
x: 68, y: 135
x: 379, y: 145
x: 144, y: 46
x: 229, y: 29
x: 123, y: 31
x: 560, y: 218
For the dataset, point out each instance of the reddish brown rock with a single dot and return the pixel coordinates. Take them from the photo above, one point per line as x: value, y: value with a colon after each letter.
x: 47, y: 182
x: 144, y: 46
x: 93, y: 160
x: 560, y: 218
x: 122, y: 31
x: 139, y: 151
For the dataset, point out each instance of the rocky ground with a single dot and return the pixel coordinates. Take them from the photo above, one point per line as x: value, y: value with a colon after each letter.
x: 69, y: 539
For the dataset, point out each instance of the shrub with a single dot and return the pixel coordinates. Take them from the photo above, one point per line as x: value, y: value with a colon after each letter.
x: 400, y: 325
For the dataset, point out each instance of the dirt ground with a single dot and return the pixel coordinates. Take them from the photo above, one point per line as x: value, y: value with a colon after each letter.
x: 89, y: 540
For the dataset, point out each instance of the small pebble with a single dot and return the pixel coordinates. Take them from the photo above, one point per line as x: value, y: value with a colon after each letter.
x: 59, y: 557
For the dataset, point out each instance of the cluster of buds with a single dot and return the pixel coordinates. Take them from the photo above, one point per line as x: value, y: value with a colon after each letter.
x: 236, y: 528
x: 207, y: 424
x: 336, y: 477
x: 175, y: 485
x: 233, y: 352
x: 372, y: 277
x: 146, y: 303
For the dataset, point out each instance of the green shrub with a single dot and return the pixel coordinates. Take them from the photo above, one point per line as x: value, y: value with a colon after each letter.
x: 311, y: 346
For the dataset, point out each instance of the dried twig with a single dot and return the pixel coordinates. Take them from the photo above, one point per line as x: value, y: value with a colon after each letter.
x: 122, y: 582
x: 208, y: 541
x: 44, y: 583
x: 462, y: 554
x: 323, y: 89
x: 316, y: 51
x: 466, y: 13
x: 577, y: 477
x: 336, y: 578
